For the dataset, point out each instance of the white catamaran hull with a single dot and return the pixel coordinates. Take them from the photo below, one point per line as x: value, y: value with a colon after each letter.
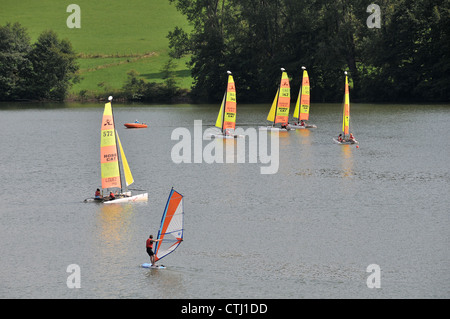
x: 345, y: 143
x: 293, y: 126
x: 272, y: 128
x: 225, y: 136
x: 135, y: 198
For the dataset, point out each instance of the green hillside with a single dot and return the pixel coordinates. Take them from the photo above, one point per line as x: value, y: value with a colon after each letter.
x: 115, y: 36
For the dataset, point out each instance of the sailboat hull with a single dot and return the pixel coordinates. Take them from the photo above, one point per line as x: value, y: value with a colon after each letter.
x: 345, y: 143
x: 225, y: 136
x: 135, y: 198
x: 272, y: 128
x: 297, y: 127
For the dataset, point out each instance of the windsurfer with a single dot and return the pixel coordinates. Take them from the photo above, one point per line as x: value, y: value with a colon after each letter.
x: 340, y: 138
x: 149, y: 246
x: 111, y: 196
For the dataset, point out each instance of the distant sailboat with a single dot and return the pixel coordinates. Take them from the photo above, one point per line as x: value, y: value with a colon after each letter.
x: 345, y: 137
x: 226, y: 119
x: 171, y: 229
x: 110, y: 161
x: 279, y: 111
x: 301, y: 111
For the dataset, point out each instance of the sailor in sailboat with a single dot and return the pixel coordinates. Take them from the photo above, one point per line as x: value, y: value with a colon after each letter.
x: 286, y: 126
x: 351, y: 138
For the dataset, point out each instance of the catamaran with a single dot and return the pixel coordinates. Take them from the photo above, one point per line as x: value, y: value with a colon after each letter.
x: 226, y: 119
x: 301, y: 111
x: 110, y: 162
x: 345, y: 137
x: 279, y: 112
x: 171, y: 228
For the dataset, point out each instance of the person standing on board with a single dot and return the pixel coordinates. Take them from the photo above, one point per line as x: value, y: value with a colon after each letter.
x: 149, y: 246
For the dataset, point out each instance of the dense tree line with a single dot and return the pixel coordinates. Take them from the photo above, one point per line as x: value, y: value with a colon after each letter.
x: 44, y: 70
x: 406, y: 59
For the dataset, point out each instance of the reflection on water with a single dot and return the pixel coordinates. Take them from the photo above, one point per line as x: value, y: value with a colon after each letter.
x: 304, y: 136
x: 283, y: 136
x: 114, y: 221
x: 347, y: 160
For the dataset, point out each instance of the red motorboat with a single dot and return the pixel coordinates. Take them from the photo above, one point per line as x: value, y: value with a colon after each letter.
x: 135, y: 125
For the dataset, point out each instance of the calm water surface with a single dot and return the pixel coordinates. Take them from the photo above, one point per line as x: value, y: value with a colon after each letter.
x: 308, y: 231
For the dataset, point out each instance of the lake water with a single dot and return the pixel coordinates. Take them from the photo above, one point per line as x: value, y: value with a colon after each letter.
x: 308, y: 231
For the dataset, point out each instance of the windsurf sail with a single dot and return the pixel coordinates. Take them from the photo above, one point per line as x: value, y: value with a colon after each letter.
x: 346, y: 111
x: 171, y: 229
x: 227, y: 114
x: 279, y: 112
x: 109, y: 160
x: 301, y: 111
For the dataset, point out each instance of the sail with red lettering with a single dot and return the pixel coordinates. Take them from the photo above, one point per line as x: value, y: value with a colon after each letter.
x: 114, y: 163
x: 171, y: 229
x: 227, y: 115
x: 301, y: 110
x: 279, y: 111
x: 109, y: 159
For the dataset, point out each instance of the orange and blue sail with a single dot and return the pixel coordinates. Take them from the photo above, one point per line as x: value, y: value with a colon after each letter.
x: 301, y: 110
x: 171, y: 229
x: 227, y: 114
x: 109, y: 159
x: 279, y: 112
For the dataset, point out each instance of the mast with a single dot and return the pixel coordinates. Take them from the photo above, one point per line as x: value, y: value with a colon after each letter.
x: 278, y: 97
x: 346, y: 109
x: 110, y: 98
x: 225, y: 104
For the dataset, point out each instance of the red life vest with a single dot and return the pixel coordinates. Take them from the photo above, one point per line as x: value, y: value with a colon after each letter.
x: 149, y: 243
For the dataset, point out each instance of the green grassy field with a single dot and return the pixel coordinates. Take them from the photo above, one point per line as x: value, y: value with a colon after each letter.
x: 115, y: 36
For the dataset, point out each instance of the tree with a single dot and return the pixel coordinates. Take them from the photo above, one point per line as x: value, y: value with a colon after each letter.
x: 210, y: 19
x: 14, y: 47
x: 407, y: 59
x: 170, y: 78
x: 54, y: 67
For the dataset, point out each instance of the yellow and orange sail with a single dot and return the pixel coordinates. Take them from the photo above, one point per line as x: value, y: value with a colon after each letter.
x: 301, y: 110
x: 346, y: 112
x: 279, y: 112
x: 109, y: 159
x: 227, y: 114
